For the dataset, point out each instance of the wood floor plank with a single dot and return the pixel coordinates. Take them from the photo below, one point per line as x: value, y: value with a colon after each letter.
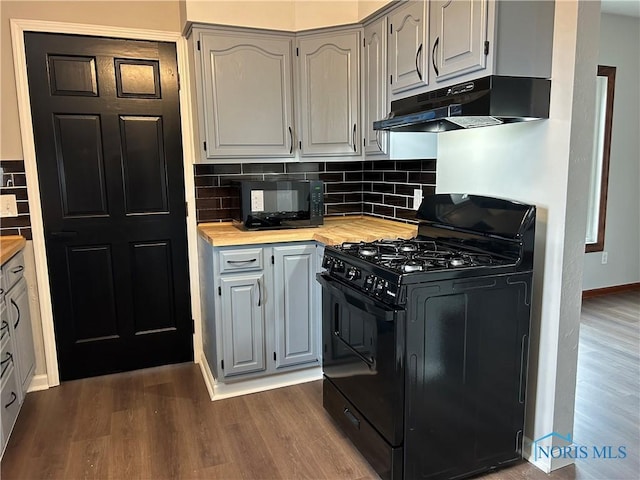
x: 128, y: 456
x: 159, y: 423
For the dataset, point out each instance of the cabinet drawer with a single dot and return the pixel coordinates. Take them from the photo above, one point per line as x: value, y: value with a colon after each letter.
x: 5, y: 331
x: 9, y: 400
x: 7, y: 359
x: 241, y: 260
x: 12, y: 271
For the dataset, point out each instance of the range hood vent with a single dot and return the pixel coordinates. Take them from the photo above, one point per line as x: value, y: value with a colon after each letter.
x: 492, y: 100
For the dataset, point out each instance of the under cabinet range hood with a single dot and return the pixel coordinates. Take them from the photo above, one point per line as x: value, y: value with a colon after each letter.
x: 492, y: 100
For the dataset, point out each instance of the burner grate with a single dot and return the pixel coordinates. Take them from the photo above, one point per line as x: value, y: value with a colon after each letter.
x: 415, y: 255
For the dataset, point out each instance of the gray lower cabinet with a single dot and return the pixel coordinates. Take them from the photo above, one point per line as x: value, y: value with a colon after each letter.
x: 17, y: 357
x: 19, y: 317
x: 260, y: 309
x: 242, y: 326
x: 295, y: 319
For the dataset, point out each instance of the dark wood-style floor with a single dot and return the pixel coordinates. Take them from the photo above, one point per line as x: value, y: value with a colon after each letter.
x: 159, y: 423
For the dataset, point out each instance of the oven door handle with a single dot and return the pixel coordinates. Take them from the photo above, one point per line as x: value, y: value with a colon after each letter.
x: 361, y: 301
x: 369, y: 361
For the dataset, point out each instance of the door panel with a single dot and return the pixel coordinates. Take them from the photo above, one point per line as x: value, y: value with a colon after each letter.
x: 81, y: 165
x: 137, y: 78
x: 92, y: 294
x: 73, y: 75
x: 152, y: 278
x: 108, y: 149
x: 143, y: 164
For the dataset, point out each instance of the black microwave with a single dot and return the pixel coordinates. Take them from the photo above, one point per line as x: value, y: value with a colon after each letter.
x: 268, y: 205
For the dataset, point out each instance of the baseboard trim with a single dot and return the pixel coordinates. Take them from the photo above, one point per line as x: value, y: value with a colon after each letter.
x: 261, y: 384
x: 209, y: 380
x: 38, y: 382
x: 220, y: 391
x: 596, y: 292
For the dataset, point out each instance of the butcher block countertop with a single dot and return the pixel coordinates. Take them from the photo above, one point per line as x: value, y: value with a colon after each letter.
x: 10, y: 245
x: 334, y: 231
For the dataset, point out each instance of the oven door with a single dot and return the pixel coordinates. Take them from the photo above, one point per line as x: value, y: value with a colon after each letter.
x: 363, y: 343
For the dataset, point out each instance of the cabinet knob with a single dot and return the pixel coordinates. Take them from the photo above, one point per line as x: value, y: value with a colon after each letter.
x: 417, y: 65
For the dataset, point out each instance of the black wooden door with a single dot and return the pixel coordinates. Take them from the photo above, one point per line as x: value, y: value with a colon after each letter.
x: 106, y: 122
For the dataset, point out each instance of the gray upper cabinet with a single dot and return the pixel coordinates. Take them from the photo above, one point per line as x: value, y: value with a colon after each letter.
x: 246, y: 95
x: 458, y: 34
x: 295, y: 320
x: 328, y: 91
x: 374, y: 87
x: 475, y: 38
x: 242, y: 307
x: 408, y: 48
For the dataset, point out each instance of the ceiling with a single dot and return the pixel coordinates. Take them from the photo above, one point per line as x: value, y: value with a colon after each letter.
x: 621, y: 7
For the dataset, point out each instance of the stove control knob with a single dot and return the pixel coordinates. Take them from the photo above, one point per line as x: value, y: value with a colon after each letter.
x: 353, y: 273
x: 369, y: 282
x: 338, y: 266
x: 380, y: 286
x: 327, y: 262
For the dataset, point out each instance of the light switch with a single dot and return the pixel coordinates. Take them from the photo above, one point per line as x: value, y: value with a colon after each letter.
x: 417, y: 198
x: 8, y: 206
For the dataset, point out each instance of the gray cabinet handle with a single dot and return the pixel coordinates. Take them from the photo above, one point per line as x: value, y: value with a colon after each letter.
x: 5, y: 363
x: 241, y: 262
x: 4, y: 328
x: 418, y: 66
x: 353, y: 137
x: 291, y: 138
x: 17, y: 269
x: 17, y: 310
x: 14, y: 397
x: 259, y: 292
x: 433, y: 56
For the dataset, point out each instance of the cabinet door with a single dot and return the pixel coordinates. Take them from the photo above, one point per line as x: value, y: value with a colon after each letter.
x: 295, y: 291
x: 374, y: 86
x: 329, y: 94
x: 247, y: 96
x: 20, y: 323
x: 242, y: 302
x: 458, y: 35
x: 408, y: 56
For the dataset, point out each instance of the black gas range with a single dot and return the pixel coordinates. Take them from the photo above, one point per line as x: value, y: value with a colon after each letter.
x: 426, y: 339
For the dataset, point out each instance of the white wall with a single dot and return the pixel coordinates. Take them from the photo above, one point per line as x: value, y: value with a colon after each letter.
x: 620, y: 47
x: 290, y: 15
x: 544, y: 163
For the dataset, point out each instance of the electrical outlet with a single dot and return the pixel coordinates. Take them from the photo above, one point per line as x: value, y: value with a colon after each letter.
x: 8, y: 206
x: 417, y: 198
x: 605, y: 257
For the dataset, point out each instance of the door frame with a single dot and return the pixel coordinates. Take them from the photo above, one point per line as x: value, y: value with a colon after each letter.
x: 18, y: 29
